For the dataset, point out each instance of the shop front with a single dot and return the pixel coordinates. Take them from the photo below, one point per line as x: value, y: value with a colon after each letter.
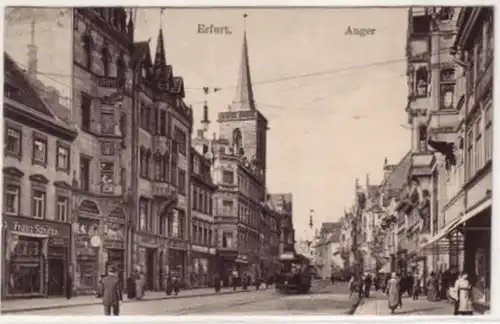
x: 114, y: 247
x: 36, y: 257
x: 177, y: 259
x: 202, y: 265
x: 87, y: 256
x: 148, y: 250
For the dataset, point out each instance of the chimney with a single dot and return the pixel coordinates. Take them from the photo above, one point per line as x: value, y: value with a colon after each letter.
x: 32, y: 53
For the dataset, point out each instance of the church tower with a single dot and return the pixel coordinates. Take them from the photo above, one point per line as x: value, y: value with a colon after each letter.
x: 242, y: 124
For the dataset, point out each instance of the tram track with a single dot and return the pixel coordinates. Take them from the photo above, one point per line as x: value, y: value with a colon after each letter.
x: 254, y: 299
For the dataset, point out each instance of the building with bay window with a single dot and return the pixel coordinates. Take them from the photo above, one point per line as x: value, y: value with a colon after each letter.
x: 203, y: 251
x: 160, y: 244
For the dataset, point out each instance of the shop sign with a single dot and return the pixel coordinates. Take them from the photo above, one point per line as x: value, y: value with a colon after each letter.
x: 34, y: 226
x: 58, y: 241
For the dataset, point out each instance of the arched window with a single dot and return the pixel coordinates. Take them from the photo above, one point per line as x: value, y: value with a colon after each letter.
x: 105, y: 61
x: 237, y: 140
x: 87, y: 49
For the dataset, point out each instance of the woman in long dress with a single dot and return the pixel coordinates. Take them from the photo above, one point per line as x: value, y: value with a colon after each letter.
x: 462, y: 294
x: 393, y: 293
x: 432, y: 288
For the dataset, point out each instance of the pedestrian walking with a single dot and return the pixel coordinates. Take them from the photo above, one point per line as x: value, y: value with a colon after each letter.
x: 139, y: 285
x: 69, y: 285
x: 234, y: 278
x: 217, y: 282
x: 110, y: 290
x: 352, y: 286
x: 432, y: 287
x: 393, y: 291
x: 462, y: 295
x: 416, y: 288
x: 361, y: 287
x: 368, y: 285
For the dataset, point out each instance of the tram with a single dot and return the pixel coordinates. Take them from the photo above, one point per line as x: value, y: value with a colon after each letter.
x: 295, y: 274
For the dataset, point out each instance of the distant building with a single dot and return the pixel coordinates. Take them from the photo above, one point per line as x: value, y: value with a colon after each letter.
x: 327, y: 248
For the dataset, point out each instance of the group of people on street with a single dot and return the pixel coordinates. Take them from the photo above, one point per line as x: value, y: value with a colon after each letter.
x: 457, y: 291
x: 362, y: 284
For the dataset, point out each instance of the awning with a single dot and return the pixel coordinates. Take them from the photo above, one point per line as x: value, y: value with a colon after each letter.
x: 386, y: 268
x: 460, y: 220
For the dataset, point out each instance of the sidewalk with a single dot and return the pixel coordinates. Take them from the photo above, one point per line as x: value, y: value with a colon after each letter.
x: 378, y: 306
x: 22, y: 305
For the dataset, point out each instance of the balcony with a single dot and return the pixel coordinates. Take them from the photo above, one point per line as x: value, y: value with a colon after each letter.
x: 443, y: 121
x: 422, y: 163
x: 163, y: 190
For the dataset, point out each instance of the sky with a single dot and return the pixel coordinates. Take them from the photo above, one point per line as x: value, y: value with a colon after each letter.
x: 326, y: 129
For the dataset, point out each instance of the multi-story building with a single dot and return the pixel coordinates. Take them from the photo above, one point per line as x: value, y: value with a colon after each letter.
x: 203, y: 263
x: 239, y: 171
x: 125, y: 105
x: 37, y: 170
x: 464, y: 227
x: 162, y: 134
x: 329, y: 261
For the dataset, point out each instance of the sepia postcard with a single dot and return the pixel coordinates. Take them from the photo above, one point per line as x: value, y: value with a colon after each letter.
x: 247, y: 161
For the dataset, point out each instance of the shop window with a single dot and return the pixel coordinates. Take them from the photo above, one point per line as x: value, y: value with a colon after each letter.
x: 39, y: 150
x: 13, y: 141
x: 85, y: 173
x: 62, y: 158
x: 11, y: 203
x: 38, y: 204
x: 25, y: 270
x: 107, y: 177
x: 107, y: 122
x: 62, y: 209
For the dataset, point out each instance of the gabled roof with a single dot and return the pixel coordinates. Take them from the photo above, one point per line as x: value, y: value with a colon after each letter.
x: 28, y: 96
x: 399, y: 175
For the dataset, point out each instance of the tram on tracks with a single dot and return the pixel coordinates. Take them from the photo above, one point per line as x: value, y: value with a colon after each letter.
x: 295, y: 274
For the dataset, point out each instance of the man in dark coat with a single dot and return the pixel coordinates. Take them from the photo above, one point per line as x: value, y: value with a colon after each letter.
x: 69, y: 285
x: 217, y: 282
x: 111, y: 292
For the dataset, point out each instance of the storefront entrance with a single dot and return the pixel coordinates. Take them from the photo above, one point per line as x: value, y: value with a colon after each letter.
x: 57, y: 276
x: 26, y: 267
x: 150, y: 267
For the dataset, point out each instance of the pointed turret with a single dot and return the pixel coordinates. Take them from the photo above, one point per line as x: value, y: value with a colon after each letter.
x: 243, y: 99
x: 160, y: 60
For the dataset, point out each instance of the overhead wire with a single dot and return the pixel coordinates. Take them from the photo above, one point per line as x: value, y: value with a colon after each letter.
x: 269, y: 81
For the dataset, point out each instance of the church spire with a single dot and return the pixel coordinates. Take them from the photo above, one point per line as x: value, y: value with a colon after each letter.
x: 243, y: 99
x: 160, y: 59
